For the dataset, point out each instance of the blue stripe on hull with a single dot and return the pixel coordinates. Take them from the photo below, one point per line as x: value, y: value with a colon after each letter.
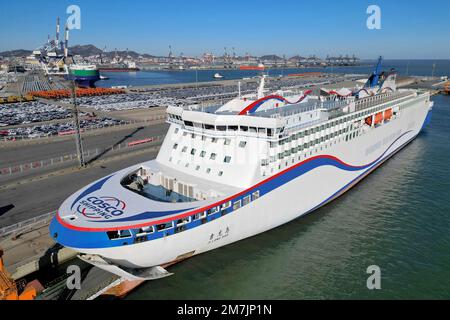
x: 94, y: 239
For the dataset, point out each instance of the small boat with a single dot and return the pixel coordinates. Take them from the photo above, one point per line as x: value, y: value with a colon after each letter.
x: 103, y: 77
x: 218, y: 76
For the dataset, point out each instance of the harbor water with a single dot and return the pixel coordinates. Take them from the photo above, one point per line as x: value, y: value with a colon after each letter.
x: 397, y: 218
x: 403, y: 67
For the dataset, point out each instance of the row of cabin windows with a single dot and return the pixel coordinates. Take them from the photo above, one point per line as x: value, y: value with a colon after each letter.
x: 298, y: 149
x: 322, y: 127
x: 226, y: 159
x: 226, y: 142
x: 269, y: 131
x: 311, y: 143
x: 197, y: 168
x: 181, y: 223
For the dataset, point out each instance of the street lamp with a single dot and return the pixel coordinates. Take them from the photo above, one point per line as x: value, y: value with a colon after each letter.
x: 78, y: 141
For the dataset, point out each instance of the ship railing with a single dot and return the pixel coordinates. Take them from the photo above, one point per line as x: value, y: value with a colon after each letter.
x: 372, y: 101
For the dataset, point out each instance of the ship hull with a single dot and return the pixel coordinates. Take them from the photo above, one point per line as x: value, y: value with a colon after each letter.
x: 297, y: 195
x: 84, y: 81
x: 84, y: 78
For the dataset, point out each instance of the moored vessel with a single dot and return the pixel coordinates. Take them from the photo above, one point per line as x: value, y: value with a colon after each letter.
x: 228, y: 172
x: 83, y: 75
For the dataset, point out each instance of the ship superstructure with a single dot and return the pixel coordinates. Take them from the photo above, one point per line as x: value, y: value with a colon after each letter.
x: 227, y: 172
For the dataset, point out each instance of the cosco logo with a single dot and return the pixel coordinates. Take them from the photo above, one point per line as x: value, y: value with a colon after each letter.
x: 98, y: 207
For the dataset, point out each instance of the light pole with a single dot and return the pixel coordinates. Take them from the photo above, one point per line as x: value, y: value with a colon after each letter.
x: 78, y: 141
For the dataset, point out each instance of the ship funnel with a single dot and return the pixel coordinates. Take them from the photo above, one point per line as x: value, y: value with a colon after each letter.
x: 375, y: 76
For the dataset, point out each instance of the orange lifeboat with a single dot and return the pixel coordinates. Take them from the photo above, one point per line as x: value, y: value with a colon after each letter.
x: 378, y: 118
x: 388, y: 114
x: 369, y: 121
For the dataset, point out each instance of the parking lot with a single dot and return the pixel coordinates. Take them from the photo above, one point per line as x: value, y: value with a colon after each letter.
x: 125, y: 102
x: 57, y: 128
x: 28, y: 112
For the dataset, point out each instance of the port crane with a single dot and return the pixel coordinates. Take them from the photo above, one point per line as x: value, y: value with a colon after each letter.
x: 53, y: 55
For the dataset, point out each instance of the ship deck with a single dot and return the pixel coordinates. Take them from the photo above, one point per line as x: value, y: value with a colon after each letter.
x: 91, y: 207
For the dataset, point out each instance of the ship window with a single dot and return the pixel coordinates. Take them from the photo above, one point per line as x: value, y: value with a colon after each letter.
x: 242, y: 144
x: 270, y: 132
x: 175, y: 145
x: 203, y: 138
x: 199, y: 215
x: 183, y: 221
x: 221, y: 128
x: 202, y: 154
x: 193, y: 151
x: 209, y: 126
x: 213, y: 156
x: 227, y: 159
x: 208, y: 170
x: 188, y: 123
x: 184, y: 149
x: 246, y: 200
x: 232, y: 128
x: 192, y: 136
x: 262, y: 130
x: 176, y: 130
x: 214, y: 210
x: 252, y: 129
x: 220, y: 173
x: 197, y: 168
x: 213, y: 140
x: 119, y: 234
x: 226, y: 205
x: 237, y: 205
x: 144, y: 231
x: 227, y: 142
x: 164, y: 226
x: 244, y: 128
x: 255, y: 195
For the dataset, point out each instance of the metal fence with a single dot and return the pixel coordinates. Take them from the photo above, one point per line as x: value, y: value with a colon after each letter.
x: 89, y: 155
x: 12, y: 139
x: 27, y: 225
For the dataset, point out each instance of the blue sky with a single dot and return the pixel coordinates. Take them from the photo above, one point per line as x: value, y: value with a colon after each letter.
x: 410, y: 29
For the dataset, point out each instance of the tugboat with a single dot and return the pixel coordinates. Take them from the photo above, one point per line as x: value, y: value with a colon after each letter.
x: 218, y: 76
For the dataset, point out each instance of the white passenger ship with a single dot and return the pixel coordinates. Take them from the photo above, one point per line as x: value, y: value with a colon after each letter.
x: 228, y: 172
